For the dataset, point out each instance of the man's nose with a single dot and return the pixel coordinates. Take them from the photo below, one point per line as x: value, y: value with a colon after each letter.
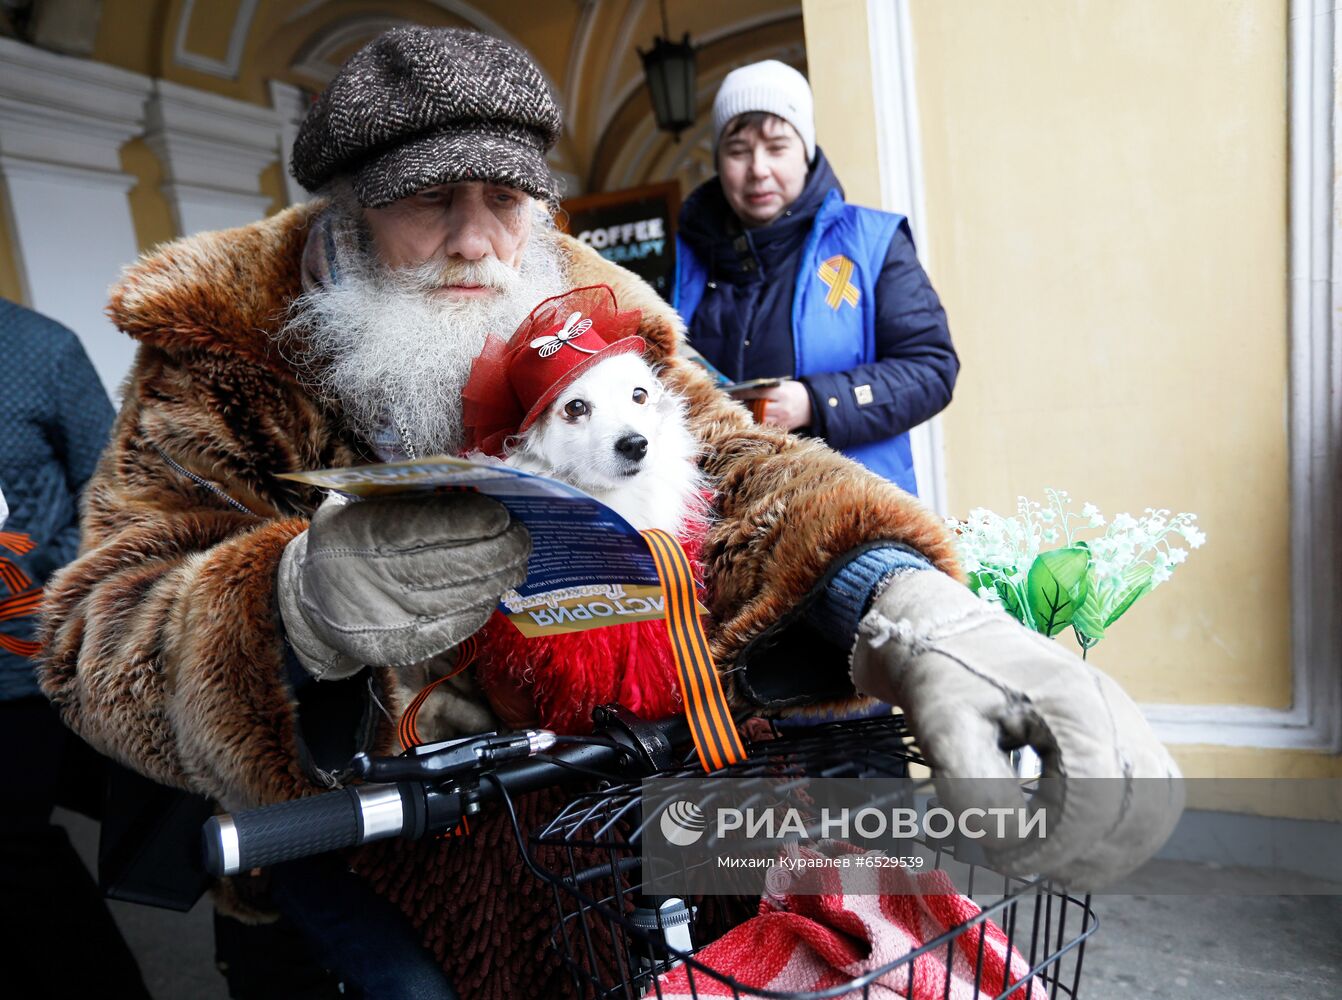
x: 632, y: 447
x: 759, y: 166
x: 468, y: 230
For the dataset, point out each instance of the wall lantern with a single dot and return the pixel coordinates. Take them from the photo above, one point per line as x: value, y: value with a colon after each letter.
x: 669, y: 69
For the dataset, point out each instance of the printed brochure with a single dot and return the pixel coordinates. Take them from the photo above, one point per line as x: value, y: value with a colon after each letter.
x: 589, y: 567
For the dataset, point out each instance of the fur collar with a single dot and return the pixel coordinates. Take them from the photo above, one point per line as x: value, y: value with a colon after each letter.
x: 228, y: 291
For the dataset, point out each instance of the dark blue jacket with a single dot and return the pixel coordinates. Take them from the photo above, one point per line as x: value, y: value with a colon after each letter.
x: 54, y: 422
x: 743, y: 323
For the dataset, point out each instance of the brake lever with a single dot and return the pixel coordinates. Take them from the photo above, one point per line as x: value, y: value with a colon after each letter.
x: 437, y: 763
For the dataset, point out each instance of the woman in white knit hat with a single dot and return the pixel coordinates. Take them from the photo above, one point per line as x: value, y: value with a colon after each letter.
x: 778, y: 277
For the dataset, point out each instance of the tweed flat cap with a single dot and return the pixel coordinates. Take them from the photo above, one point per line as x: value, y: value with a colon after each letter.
x: 422, y: 106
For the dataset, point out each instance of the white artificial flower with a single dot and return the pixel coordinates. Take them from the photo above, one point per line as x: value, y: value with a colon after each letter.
x: 1006, y: 547
x: 1104, y: 569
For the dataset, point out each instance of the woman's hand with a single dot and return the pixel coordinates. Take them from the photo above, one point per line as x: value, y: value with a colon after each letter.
x: 786, y: 405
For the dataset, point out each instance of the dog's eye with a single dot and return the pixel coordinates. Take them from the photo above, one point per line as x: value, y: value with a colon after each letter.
x: 575, y: 407
x: 640, y: 396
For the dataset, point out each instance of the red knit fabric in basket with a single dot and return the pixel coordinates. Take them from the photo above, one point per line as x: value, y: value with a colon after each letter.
x: 849, y: 922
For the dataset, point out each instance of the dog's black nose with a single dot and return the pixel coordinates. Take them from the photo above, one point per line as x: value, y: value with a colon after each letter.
x: 632, y: 447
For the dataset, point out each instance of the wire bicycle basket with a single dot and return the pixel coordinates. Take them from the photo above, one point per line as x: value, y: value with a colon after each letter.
x: 618, y: 940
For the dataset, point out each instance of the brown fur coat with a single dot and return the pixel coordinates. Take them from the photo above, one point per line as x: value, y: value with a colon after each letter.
x: 163, y: 641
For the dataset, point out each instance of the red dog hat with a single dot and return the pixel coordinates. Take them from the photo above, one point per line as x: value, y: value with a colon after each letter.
x: 512, y: 383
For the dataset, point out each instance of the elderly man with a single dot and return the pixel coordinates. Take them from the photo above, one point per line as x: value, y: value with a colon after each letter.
x: 203, y: 637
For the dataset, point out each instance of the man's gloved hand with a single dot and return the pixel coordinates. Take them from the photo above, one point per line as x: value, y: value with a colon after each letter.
x: 393, y: 581
x: 973, y: 683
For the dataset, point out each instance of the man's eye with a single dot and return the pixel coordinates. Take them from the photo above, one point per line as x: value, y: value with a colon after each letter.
x: 501, y: 195
x: 575, y: 408
x: 640, y: 396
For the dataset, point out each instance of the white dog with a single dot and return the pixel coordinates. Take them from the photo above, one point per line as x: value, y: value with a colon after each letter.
x: 619, y: 434
x: 570, y: 396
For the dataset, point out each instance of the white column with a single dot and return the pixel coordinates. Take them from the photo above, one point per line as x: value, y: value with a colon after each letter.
x: 900, y: 150
x: 63, y: 122
x: 213, y: 150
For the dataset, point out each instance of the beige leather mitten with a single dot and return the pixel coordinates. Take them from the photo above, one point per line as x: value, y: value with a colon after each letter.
x: 974, y: 683
x: 393, y: 581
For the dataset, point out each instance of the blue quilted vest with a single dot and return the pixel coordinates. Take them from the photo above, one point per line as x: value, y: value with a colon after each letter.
x: 835, y: 304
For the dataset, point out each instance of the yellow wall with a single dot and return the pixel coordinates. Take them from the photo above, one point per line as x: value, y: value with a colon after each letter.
x: 271, y: 185
x: 149, y: 209
x: 1106, y: 207
x: 11, y: 284
x: 838, y: 64
x: 130, y: 33
x: 1106, y: 198
x: 207, y: 33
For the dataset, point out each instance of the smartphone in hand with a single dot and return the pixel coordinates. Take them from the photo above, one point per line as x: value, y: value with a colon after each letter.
x: 750, y: 384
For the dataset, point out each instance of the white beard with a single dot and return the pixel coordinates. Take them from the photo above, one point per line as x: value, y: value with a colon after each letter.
x: 395, y: 357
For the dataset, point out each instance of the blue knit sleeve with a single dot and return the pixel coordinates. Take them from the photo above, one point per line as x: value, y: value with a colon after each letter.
x: 81, y: 421
x: 839, y: 609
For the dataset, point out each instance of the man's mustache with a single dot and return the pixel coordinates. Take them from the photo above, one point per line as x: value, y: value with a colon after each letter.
x: 436, y: 272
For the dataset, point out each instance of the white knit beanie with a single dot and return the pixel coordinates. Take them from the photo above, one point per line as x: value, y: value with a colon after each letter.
x: 769, y: 86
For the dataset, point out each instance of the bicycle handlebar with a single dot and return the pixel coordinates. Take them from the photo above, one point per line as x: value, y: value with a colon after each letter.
x: 435, y: 799
x: 254, y: 838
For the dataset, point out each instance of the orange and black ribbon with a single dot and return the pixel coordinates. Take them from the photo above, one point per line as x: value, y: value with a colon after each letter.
x: 12, y: 578
x: 407, y: 732
x: 711, y: 725
x: 17, y: 543
x: 22, y: 605
x: 25, y: 599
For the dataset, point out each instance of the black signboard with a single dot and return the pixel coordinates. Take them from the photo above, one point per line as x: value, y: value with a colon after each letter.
x: 635, y: 228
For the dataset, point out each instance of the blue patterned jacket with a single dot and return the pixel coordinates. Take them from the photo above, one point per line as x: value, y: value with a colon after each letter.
x: 54, y: 421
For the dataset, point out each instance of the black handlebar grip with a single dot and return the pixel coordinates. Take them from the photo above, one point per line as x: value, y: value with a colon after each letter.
x: 254, y: 838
